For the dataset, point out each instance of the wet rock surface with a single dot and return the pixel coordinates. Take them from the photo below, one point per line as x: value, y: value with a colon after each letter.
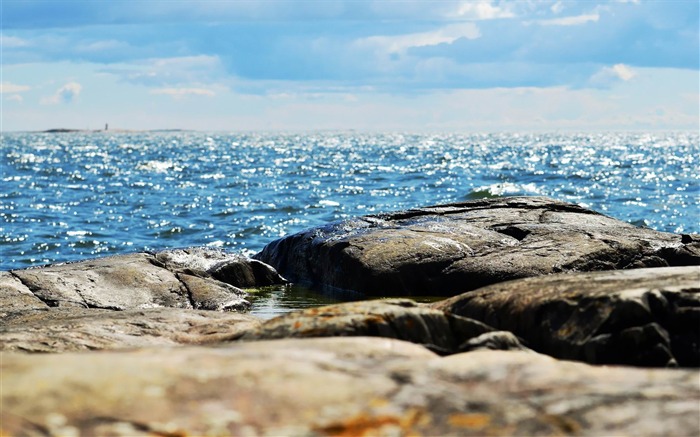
x: 337, y: 386
x: 449, y: 249
x: 643, y: 317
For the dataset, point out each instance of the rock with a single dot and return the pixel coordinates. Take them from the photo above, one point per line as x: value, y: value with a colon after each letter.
x: 246, y: 272
x: 120, y: 282
x: 123, y: 282
x: 449, y: 249
x: 643, y: 317
x: 233, y: 269
x: 209, y: 294
x: 72, y: 329
x: 15, y: 296
x: 401, y: 319
x: 192, y: 258
x: 495, y: 340
x: 337, y: 386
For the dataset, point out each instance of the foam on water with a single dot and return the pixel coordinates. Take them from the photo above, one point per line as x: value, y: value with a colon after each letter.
x: 74, y: 196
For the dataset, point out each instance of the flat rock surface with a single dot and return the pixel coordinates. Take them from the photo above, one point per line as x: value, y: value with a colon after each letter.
x: 74, y: 329
x: 449, y: 249
x: 401, y: 319
x: 643, y: 317
x: 341, y: 387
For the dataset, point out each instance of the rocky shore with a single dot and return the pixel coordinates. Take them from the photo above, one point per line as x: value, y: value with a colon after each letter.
x: 556, y: 320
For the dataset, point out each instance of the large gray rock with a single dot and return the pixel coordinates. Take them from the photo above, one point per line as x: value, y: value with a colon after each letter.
x: 449, y: 249
x: 643, y: 317
x: 337, y: 386
x: 401, y: 319
x: 196, y: 278
x: 74, y: 329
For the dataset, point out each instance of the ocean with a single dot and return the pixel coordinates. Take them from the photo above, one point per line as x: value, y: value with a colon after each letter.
x: 71, y: 196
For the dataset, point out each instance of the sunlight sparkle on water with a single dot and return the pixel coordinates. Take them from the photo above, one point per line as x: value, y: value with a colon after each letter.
x: 73, y: 196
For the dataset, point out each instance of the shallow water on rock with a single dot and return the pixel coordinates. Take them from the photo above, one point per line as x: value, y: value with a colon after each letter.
x: 74, y: 196
x: 273, y: 301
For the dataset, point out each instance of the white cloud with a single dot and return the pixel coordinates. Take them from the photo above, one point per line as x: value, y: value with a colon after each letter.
x: 7, y: 88
x: 482, y: 10
x: 575, y: 20
x: 182, y: 92
x: 66, y: 94
x: 12, y: 41
x: 607, y: 76
x: 623, y: 71
x: 444, y: 35
x: 557, y: 7
x: 15, y: 98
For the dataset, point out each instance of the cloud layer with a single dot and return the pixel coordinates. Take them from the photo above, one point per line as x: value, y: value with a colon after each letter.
x: 308, y: 50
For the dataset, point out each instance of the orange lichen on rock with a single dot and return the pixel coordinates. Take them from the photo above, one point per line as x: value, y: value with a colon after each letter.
x: 469, y: 420
x: 369, y: 425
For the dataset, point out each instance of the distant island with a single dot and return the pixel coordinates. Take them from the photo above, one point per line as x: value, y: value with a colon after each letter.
x: 65, y: 130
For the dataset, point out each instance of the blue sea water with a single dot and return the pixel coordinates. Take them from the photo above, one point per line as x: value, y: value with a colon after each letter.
x: 73, y: 196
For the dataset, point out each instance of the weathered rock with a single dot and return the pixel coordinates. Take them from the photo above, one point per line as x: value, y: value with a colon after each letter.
x: 337, y: 386
x: 192, y: 258
x: 120, y: 282
x: 644, y: 317
x: 495, y: 340
x: 15, y: 296
x: 124, y: 282
x: 209, y: 294
x: 71, y: 329
x: 246, y: 272
x: 232, y: 269
x: 401, y: 319
x: 448, y: 249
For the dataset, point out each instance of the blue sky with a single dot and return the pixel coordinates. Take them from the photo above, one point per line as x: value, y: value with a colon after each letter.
x: 367, y: 65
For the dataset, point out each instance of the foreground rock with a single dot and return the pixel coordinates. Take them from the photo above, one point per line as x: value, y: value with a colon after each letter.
x: 401, y: 319
x: 446, y: 250
x: 129, y: 301
x: 644, y: 317
x: 342, y: 387
x: 75, y: 329
x: 194, y: 279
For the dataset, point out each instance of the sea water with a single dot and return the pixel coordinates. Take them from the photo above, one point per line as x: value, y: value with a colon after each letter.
x: 71, y: 196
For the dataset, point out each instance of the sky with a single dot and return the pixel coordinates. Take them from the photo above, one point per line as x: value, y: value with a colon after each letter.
x: 457, y: 66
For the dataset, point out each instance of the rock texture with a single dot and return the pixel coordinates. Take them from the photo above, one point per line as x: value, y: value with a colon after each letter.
x: 138, y: 300
x: 643, y: 317
x: 195, y: 278
x: 75, y: 329
x: 235, y: 270
x: 449, y: 249
x: 337, y: 387
x: 401, y: 319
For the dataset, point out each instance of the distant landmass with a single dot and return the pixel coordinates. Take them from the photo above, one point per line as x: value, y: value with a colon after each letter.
x: 65, y: 130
